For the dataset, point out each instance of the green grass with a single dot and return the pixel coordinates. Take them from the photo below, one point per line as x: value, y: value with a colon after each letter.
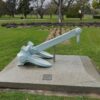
x: 11, y: 41
x: 27, y: 96
x: 89, y: 45
x: 7, y: 19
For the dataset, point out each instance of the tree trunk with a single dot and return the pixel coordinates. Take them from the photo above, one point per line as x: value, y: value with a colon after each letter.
x: 37, y: 16
x: 59, y: 12
x: 50, y: 16
x: 25, y: 15
x: 12, y: 15
x: 41, y: 16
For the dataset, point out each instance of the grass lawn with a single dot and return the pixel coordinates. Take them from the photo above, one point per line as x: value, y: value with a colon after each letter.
x: 12, y: 39
x: 27, y: 96
x: 16, y: 19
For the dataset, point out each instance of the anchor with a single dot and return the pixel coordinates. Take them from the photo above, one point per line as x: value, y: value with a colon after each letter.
x: 36, y: 54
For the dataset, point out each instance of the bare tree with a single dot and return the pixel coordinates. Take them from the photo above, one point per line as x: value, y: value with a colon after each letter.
x: 38, y: 6
x: 11, y: 6
x: 51, y: 8
x: 64, y: 5
x: 24, y: 7
x: 2, y: 8
x: 61, y: 4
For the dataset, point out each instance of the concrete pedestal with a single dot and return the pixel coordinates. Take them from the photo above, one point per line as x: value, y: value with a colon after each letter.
x: 68, y: 74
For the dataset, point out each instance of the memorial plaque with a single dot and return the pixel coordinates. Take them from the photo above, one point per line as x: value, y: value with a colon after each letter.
x: 47, y: 77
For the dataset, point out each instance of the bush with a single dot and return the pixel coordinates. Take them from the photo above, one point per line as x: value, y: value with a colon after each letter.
x: 72, y: 15
x: 96, y: 16
x: 73, y: 12
x: 21, y: 17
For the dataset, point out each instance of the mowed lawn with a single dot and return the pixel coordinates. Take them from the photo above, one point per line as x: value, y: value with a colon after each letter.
x: 29, y: 96
x: 31, y: 19
x: 12, y: 39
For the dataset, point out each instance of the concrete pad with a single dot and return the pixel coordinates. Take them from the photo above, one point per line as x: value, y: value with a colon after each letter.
x: 68, y: 74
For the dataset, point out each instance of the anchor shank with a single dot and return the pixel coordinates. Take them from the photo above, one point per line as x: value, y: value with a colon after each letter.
x: 57, y: 40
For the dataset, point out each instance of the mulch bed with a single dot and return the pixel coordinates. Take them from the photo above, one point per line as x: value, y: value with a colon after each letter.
x: 88, y: 24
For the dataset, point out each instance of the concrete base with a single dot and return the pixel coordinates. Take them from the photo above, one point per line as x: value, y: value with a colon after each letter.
x: 68, y: 74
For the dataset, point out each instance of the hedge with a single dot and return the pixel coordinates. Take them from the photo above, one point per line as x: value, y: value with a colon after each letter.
x: 96, y: 16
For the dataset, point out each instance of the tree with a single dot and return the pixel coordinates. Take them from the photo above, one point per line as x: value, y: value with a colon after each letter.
x: 51, y: 9
x: 73, y: 12
x: 96, y: 4
x: 39, y: 7
x: 83, y: 4
x: 2, y: 8
x: 24, y: 7
x: 11, y: 7
x: 61, y: 4
x: 64, y: 5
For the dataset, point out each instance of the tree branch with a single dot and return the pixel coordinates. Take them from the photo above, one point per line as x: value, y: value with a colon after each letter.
x: 57, y: 3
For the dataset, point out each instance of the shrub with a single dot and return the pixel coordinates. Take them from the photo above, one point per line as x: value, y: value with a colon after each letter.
x: 73, y: 12
x: 96, y: 16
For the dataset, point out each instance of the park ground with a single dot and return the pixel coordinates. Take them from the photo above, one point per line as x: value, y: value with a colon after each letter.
x: 33, y: 18
x: 12, y: 39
